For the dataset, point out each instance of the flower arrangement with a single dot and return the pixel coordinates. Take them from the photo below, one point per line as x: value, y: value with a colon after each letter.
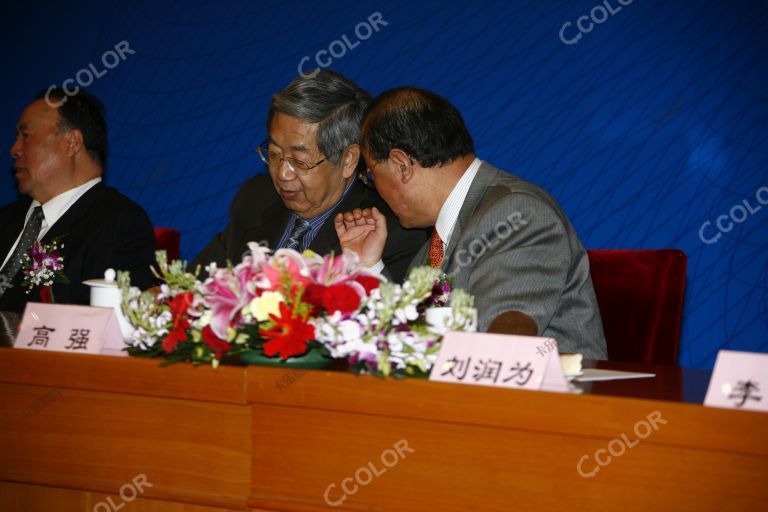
x: 289, y: 306
x: 43, y: 265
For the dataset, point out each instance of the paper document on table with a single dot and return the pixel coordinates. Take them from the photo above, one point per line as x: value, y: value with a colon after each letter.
x: 596, y: 374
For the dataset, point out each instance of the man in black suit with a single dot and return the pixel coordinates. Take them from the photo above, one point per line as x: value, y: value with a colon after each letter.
x: 312, y: 153
x: 59, y: 157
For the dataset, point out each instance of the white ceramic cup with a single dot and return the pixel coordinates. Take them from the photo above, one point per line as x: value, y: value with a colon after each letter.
x: 106, y: 294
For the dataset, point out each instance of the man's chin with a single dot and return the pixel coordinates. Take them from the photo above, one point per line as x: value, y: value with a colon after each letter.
x: 404, y: 221
x: 291, y: 204
x: 412, y: 224
x: 21, y: 183
x: 297, y: 206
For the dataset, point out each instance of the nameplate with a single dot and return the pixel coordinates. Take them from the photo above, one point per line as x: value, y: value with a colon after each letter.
x: 499, y: 360
x: 74, y: 329
x: 739, y: 381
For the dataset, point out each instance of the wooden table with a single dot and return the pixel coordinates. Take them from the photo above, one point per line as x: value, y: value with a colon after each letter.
x: 101, y: 433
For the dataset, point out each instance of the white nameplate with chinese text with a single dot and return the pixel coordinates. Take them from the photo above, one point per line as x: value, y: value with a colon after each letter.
x: 739, y: 381
x: 518, y: 362
x: 73, y: 329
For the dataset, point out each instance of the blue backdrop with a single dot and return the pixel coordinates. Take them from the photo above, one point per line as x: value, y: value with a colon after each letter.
x: 646, y: 119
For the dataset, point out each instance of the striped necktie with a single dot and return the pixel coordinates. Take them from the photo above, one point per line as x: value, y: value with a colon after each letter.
x: 28, y: 237
x: 300, y: 228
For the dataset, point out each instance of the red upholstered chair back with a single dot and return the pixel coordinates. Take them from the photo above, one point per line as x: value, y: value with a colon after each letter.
x: 640, y: 294
x: 168, y: 240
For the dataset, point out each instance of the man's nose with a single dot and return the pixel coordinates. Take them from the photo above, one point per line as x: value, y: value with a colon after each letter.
x: 285, y: 172
x: 16, y: 149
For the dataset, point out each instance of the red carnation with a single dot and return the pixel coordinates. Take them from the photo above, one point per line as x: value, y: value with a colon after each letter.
x: 219, y: 346
x: 289, y: 336
x: 370, y: 283
x: 313, y: 295
x: 340, y: 297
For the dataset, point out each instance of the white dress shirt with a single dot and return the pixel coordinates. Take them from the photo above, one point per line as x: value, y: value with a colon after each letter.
x: 53, y: 210
x: 449, y: 212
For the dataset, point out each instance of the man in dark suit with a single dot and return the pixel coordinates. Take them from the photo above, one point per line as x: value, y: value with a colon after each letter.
x: 502, y: 239
x: 59, y: 157
x: 312, y: 153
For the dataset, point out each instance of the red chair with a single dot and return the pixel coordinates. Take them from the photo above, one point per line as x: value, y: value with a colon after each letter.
x: 640, y: 295
x: 168, y: 240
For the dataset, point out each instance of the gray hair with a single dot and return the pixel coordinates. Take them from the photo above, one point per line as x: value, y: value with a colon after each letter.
x: 327, y: 98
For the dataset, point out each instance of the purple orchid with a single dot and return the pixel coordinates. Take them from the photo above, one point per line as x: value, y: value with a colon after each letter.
x: 41, y: 260
x: 441, y: 294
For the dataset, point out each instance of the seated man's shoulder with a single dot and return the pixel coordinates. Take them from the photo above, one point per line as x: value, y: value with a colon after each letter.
x: 19, y: 205
x: 111, y: 194
x: 259, y: 187
x: 255, y: 193
x: 507, y: 195
x: 110, y: 202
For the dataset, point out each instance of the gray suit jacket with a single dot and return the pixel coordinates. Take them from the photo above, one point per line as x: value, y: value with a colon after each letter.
x: 513, y: 248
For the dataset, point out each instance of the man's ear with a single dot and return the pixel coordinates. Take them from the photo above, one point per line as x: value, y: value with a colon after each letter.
x: 349, y: 159
x: 402, y: 164
x: 74, y: 141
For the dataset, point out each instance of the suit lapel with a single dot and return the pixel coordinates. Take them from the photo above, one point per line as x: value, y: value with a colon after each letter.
x: 485, y: 174
x: 421, y: 256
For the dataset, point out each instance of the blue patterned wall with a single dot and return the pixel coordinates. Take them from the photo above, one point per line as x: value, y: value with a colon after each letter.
x: 645, y: 119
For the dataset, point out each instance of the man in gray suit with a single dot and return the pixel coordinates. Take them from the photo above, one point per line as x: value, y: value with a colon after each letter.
x: 502, y: 239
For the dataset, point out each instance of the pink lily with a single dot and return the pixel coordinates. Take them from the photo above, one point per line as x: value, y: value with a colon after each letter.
x: 222, y: 294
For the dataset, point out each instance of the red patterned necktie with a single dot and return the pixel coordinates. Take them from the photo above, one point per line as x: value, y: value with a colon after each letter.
x: 435, y: 250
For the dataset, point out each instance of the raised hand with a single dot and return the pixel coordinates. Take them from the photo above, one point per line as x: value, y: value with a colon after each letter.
x: 363, y: 231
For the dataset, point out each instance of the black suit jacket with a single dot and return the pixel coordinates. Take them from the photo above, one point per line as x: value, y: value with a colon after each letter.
x: 259, y: 215
x: 103, y: 229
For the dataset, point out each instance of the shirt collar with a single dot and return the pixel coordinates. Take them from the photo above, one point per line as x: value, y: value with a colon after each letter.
x: 449, y: 212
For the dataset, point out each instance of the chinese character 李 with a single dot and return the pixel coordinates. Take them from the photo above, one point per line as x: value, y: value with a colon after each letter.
x: 746, y: 390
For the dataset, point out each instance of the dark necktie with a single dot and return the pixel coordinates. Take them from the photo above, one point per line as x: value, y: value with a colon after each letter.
x: 28, y: 237
x: 300, y: 228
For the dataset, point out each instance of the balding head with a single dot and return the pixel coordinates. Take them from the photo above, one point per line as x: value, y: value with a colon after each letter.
x: 421, y: 123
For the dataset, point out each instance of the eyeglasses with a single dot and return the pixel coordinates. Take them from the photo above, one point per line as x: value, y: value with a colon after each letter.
x: 366, y: 177
x: 272, y: 158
